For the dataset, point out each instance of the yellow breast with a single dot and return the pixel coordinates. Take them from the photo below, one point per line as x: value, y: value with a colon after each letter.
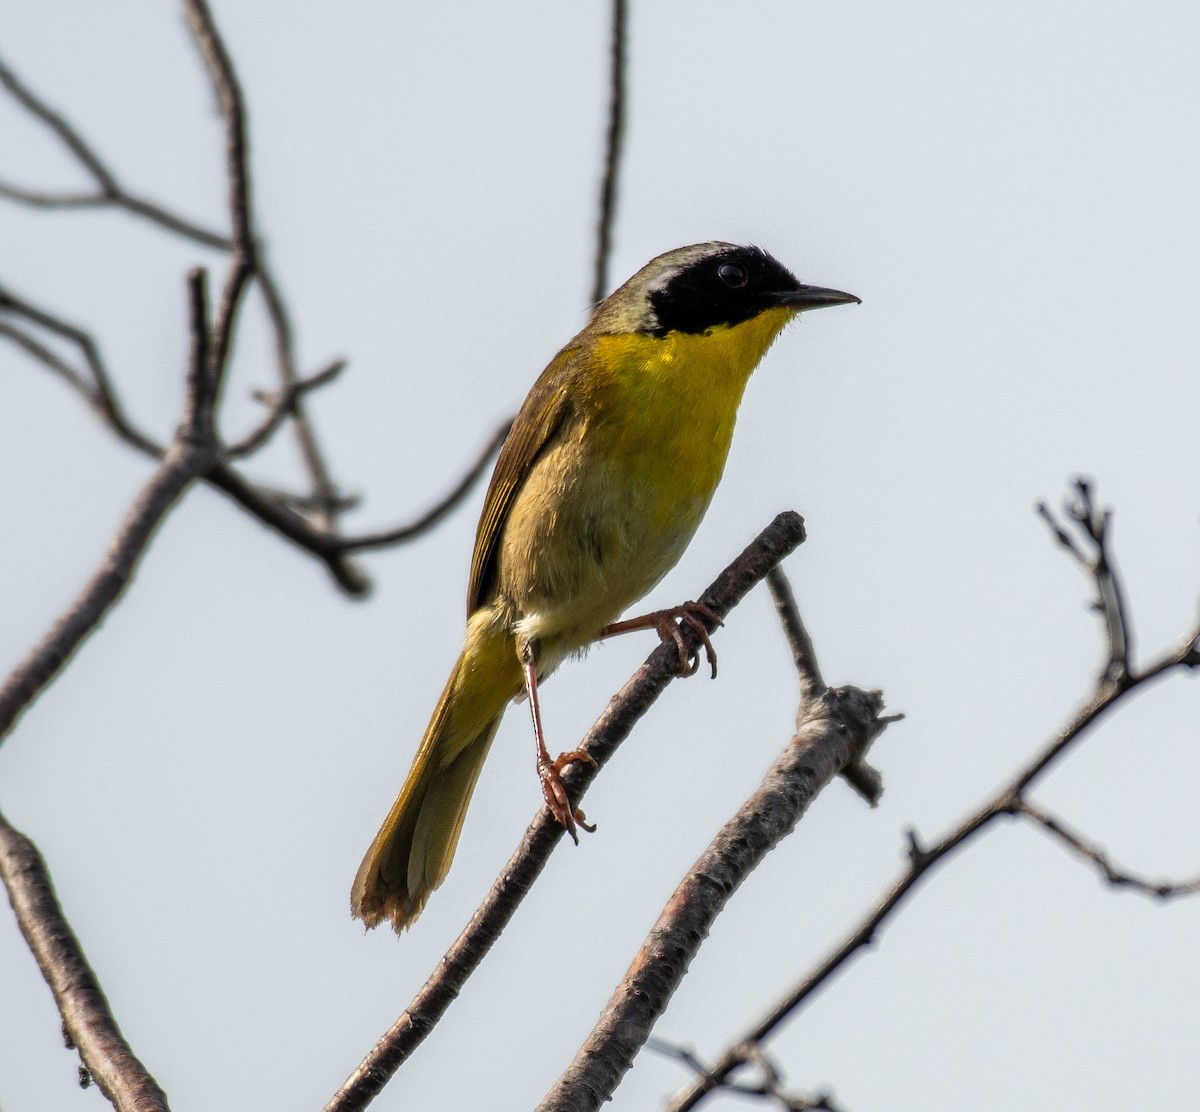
x: 610, y: 506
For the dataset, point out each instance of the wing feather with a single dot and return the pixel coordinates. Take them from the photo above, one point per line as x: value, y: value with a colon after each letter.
x: 541, y: 416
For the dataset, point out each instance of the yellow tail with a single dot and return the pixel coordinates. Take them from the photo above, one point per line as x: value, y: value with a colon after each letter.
x: 411, y: 854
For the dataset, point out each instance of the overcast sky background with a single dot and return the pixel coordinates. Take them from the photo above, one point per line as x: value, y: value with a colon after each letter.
x: 1011, y: 189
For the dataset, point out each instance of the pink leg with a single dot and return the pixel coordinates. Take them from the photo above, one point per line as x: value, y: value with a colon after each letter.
x: 550, y: 772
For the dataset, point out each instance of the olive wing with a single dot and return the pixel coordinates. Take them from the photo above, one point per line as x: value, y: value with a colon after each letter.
x: 541, y: 416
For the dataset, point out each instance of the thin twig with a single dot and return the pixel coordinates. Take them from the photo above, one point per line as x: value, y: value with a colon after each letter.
x: 1089, y: 851
x: 100, y: 394
x: 803, y: 653
x: 324, y: 495
x: 613, y: 141
x: 200, y: 388
x: 230, y: 105
x: 768, y: 1086
x: 87, y: 1018
x: 622, y: 713
x: 439, y: 510
x: 243, y: 261
x: 1093, y: 525
x: 861, y: 776
x: 281, y: 405
x: 51, y: 359
x: 110, y: 190
x: 55, y: 121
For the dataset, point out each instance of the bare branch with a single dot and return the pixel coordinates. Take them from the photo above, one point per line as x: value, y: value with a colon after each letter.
x: 110, y: 192
x: 100, y: 393
x: 281, y: 405
x: 182, y: 464
x: 200, y: 393
x: 614, y: 138
x: 614, y: 725
x: 327, y: 502
x: 924, y: 860
x: 768, y: 1086
x: 229, y: 99
x: 435, y: 513
x: 803, y: 653
x: 51, y: 359
x: 69, y: 136
x: 1093, y: 525
x: 243, y: 262
x: 833, y: 728
x: 87, y: 1019
x: 33, y: 198
x: 314, y: 529
x: 864, y: 779
x: 1089, y: 851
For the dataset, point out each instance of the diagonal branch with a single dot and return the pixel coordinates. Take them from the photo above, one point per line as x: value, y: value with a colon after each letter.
x: 100, y: 393
x: 87, y: 1019
x: 190, y: 455
x: 282, y: 405
x: 769, y: 1083
x: 439, y: 510
x: 831, y: 731
x: 71, y: 138
x: 923, y: 861
x: 110, y: 191
x: 1089, y: 851
x: 782, y: 536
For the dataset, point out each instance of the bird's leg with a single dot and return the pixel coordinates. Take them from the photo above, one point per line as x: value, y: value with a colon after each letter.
x: 666, y: 624
x: 550, y: 772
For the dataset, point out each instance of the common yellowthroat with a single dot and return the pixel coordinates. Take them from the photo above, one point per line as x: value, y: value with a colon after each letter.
x: 609, y: 467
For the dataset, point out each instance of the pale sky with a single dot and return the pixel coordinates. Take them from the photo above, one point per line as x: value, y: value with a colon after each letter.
x: 1011, y: 189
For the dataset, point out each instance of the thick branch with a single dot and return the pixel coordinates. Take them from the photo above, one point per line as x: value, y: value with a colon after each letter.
x: 623, y: 711
x: 834, y: 728
x: 86, y: 1016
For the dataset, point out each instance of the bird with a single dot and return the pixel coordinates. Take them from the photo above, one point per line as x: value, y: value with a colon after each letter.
x: 609, y: 466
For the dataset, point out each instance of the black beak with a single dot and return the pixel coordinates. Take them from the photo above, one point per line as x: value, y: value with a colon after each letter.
x: 814, y: 297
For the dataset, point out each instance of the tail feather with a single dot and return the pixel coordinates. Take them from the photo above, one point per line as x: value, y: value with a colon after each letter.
x: 411, y: 854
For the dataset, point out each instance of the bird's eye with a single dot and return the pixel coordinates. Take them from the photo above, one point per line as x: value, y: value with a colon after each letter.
x: 733, y: 275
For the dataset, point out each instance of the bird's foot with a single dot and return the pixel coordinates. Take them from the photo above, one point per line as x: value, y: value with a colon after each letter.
x: 666, y: 624
x: 555, y: 792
